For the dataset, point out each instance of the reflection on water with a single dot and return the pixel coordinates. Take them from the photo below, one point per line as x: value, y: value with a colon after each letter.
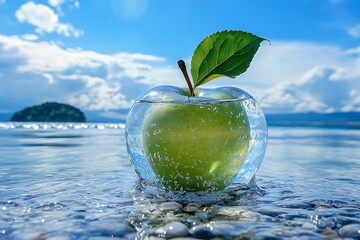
x: 75, y: 182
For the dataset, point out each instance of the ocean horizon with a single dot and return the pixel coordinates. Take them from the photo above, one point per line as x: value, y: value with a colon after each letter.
x: 342, y: 120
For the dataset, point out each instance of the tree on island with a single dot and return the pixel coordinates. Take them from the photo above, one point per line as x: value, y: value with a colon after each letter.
x: 49, y: 112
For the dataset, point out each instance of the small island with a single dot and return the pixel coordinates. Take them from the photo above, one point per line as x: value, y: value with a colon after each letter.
x: 49, y: 112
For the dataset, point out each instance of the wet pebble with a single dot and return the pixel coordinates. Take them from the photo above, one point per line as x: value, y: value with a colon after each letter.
x: 203, y: 216
x: 249, y: 216
x: 170, y: 206
x: 152, y: 238
x: 350, y: 231
x: 222, y: 229
x: 308, y: 225
x: 172, y: 230
x: 182, y: 215
x: 330, y: 234
x: 169, y: 216
x: 236, y: 211
x: 193, y: 220
x: 185, y: 238
x: 190, y: 208
x: 230, y: 211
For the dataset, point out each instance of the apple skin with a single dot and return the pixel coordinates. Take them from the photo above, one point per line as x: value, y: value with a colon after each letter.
x: 196, y: 147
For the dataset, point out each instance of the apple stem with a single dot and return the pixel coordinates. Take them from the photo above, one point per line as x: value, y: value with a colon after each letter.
x: 182, y: 67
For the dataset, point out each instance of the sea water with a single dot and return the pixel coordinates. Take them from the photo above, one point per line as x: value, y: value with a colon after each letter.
x: 74, y: 181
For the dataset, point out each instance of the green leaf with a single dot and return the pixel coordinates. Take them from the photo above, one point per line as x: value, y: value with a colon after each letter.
x: 223, y: 54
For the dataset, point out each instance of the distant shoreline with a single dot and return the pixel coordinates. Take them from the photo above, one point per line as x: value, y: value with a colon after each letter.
x: 350, y: 120
x: 340, y: 120
x: 355, y: 125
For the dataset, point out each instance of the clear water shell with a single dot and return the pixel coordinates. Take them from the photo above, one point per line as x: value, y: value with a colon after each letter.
x: 164, y: 96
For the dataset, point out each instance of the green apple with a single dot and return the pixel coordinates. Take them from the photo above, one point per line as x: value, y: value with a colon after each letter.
x: 197, y: 139
x: 196, y: 145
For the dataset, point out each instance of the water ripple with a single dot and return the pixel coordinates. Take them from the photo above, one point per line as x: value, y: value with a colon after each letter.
x: 61, y: 126
x: 67, y: 182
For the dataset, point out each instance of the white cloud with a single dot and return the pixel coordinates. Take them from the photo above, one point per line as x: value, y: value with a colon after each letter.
x: 38, y: 15
x: 284, y: 77
x: 87, y: 79
x: 100, y: 94
x: 30, y: 37
x: 56, y: 3
x: 353, y: 51
x: 354, y: 103
x: 300, y: 76
x: 44, y: 19
x: 76, y: 4
x: 354, y: 31
x: 315, y: 92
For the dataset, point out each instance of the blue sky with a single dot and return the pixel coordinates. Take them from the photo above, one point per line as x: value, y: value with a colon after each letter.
x: 101, y: 54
